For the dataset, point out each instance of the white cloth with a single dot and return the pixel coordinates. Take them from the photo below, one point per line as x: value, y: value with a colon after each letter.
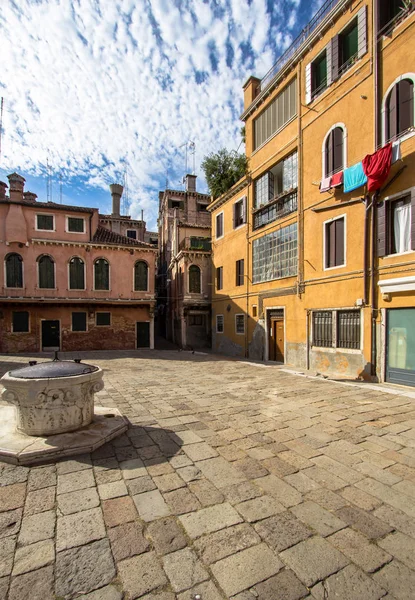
x: 402, y: 228
x: 396, y: 151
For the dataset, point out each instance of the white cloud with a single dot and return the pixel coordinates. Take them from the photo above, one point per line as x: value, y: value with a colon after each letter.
x: 94, y: 85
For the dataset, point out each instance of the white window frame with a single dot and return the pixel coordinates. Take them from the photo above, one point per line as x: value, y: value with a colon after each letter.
x: 67, y: 230
x: 103, y: 312
x: 220, y: 214
x: 410, y: 191
x: 242, y: 200
x: 136, y: 234
x: 343, y: 216
x: 236, y: 329
x: 324, y: 151
x: 11, y: 323
x: 44, y: 214
x: 85, y: 330
x: 69, y: 276
x: 409, y: 134
x: 223, y: 323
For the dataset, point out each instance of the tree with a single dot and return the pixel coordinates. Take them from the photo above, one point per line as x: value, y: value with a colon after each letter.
x: 223, y: 169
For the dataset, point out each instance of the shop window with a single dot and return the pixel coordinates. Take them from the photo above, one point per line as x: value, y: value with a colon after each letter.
x: 76, y: 225
x: 45, y: 222
x: 14, y: 270
x: 101, y: 274
x: 275, y: 255
x: 219, y: 225
x: 76, y: 274
x: 102, y: 319
x: 399, y: 109
x: 219, y: 278
x: 140, y: 276
x: 20, y: 321
x: 194, y: 279
x: 79, y: 320
x: 334, y: 151
x: 396, y: 230
x: 132, y: 234
x: 46, y: 272
x: 240, y: 324
x: 240, y: 272
x: 219, y: 323
x: 334, y: 246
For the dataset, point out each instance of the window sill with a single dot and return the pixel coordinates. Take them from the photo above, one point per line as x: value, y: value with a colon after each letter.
x: 332, y: 350
x: 336, y: 267
x: 398, y: 254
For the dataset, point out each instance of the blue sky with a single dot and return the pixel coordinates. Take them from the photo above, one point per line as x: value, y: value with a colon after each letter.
x: 106, y: 89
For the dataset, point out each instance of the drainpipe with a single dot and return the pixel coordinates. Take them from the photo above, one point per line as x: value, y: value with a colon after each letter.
x: 246, y: 275
x: 300, y: 228
x: 373, y: 297
x: 307, y: 340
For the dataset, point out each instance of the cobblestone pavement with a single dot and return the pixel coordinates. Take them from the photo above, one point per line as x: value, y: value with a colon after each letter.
x: 234, y: 480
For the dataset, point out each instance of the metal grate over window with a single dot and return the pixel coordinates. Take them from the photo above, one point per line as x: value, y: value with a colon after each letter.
x: 348, y: 329
x: 219, y: 323
x: 275, y: 255
x: 323, y: 329
x: 76, y: 224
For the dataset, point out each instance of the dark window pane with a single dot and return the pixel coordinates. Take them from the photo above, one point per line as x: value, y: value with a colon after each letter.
x: 406, y: 105
x: 322, y: 329
x: 334, y: 151
x: 46, y: 272
x: 102, y: 274
x: 219, y: 323
x: 240, y: 323
x: 196, y: 320
x: 131, y: 233
x: 348, y: 46
x: 240, y: 272
x: 140, y: 276
x: 334, y: 250
x: 45, y: 222
x: 76, y: 224
x: 194, y: 280
x: 219, y: 225
x: 219, y: 278
x: 103, y: 318
x: 399, y: 219
x: 20, y: 322
x: 319, y: 74
x: 348, y: 329
x: 76, y: 274
x: 14, y: 271
x: 79, y: 321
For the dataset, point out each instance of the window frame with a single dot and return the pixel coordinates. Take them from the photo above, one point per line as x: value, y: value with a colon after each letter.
x: 324, y: 150
x: 239, y: 273
x: 221, y: 215
x: 242, y: 202
x: 387, y: 202
x: 345, y: 65
x: 200, y: 279
x: 325, y: 223
x: 10, y: 287
x: 109, y: 274
x: 317, y: 90
x: 28, y: 321
x: 276, y: 260
x: 335, y: 347
x: 219, y: 270
x: 127, y: 231
x: 67, y: 230
x: 405, y: 134
x: 83, y: 312
x: 42, y: 214
x: 140, y: 260
x: 236, y: 324
x: 103, y: 312
x: 223, y: 323
x: 38, y: 272
x: 69, y: 274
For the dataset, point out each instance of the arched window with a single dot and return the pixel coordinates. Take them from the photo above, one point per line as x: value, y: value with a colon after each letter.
x: 194, y: 279
x: 46, y: 268
x: 14, y: 270
x: 334, y: 151
x: 101, y: 274
x: 140, y: 276
x: 399, y: 109
x: 76, y: 274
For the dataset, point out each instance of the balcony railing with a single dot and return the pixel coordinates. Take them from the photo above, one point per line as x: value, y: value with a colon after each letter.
x: 281, y: 206
x: 196, y: 243
x: 320, y: 15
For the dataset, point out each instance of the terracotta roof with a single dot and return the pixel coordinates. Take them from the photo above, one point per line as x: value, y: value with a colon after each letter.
x: 195, y: 225
x: 49, y: 205
x: 105, y: 236
x: 183, y: 192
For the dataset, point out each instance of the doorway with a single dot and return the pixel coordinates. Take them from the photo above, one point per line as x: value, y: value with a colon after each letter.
x: 143, y: 334
x: 50, y: 335
x: 276, y: 335
x: 400, y: 346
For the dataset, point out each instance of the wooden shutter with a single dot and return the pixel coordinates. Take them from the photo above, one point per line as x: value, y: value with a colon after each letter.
x: 337, y: 149
x: 339, y: 243
x: 392, y: 114
x: 362, y: 32
x: 413, y: 219
x: 335, y: 58
x: 244, y: 209
x: 329, y: 154
x: 308, y: 83
x: 381, y: 232
x: 406, y: 105
x: 330, y: 245
x: 329, y: 63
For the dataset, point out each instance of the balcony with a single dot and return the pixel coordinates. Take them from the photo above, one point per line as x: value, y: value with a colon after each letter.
x: 196, y: 243
x: 280, y: 206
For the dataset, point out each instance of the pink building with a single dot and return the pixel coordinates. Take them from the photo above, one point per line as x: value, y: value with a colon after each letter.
x: 69, y: 280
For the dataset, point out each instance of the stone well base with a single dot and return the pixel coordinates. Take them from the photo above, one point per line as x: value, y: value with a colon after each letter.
x: 21, y: 449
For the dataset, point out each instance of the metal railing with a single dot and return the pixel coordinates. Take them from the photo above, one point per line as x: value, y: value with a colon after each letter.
x: 277, y: 208
x: 196, y: 243
x: 320, y: 15
x: 404, y: 12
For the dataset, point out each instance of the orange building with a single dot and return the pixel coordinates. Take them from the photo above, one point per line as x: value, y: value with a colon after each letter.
x: 67, y: 282
x: 329, y: 236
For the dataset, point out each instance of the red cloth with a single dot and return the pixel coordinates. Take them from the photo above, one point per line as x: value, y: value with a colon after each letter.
x: 337, y: 179
x: 377, y: 166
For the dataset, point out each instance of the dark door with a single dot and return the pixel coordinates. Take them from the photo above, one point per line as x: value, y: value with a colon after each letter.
x: 50, y: 335
x: 143, y: 334
x: 276, y: 340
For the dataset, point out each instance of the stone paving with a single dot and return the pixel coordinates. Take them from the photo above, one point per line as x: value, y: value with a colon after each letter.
x: 235, y: 480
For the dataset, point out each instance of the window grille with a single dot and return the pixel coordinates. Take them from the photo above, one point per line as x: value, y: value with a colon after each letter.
x: 14, y: 271
x: 194, y: 280
x: 76, y: 274
x: 46, y: 268
x: 140, y: 276
x: 275, y: 255
x: 79, y: 321
x: 45, y: 222
x: 102, y: 274
x: 240, y: 323
x: 348, y: 329
x: 20, y: 322
x: 323, y: 329
x: 276, y: 210
x: 76, y: 224
x: 219, y: 323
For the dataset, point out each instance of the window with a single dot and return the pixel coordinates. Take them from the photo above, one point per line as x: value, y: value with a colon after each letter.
x: 219, y: 225
x: 283, y: 177
x: 194, y: 279
x: 275, y: 255
x: 276, y: 115
x: 239, y: 213
x: 79, y: 321
x: 255, y: 310
x: 45, y: 222
x: 240, y: 272
x: 132, y: 234
x: 389, y: 12
x: 46, y: 267
x: 319, y: 74
x: 399, y: 109
x: 76, y: 224
x: 219, y: 278
x: 348, y: 46
x: 264, y: 189
x: 101, y: 274
x: 219, y: 323
x: 76, y: 274
x: 175, y: 203
x: 200, y: 243
x: 202, y: 207
x: 239, y: 324
x: 339, y: 329
x: 14, y: 270
x: 334, y: 245
x: 102, y: 319
x: 20, y: 322
x: 333, y: 151
x: 196, y: 320
x: 140, y: 276
x: 396, y: 232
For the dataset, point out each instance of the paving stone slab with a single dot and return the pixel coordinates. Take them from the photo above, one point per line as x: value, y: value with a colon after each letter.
x: 115, y: 489
x: 169, y: 482
x: 7, y: 547
x: 35, y: 528
x: 316, y: 517
x: 41, y: 477
x: 364, y: 521
x: 251, y: 468
x: 246, y: 568
x: 167, y: 535
x: 283, y: 586
x: 108, y: 592
x: 282, y: 531
x: 4, y: 587
x: 397, y: 579
x: 206, y: 492
x: 280, y: 490
x: 133, y: 468
x: 80, y: 463
x: 208, y: 520
x: 259, y: 508
x: 141, y: 574
x: 127, y: 540
x: 10, y: 522
x: 220, y: 472
x: 182, y: 501
x: 151, y: 505
x: 184, y: 569
x: 357, y: 547
x: 84, y: 568
x: 10, y: 474
x: 37, y: 584
x: 218, y: 545
x: 313, y: 559
x: 401, y: 546
x: 72, y: 482
x: 349, y: 583
x: 73, y: 502
x: 360, y: 498
x: 301, y: 482
x: 12, y: 496
x: 79, y: 528
x: 395, y: 518
x: 35, y: 556
x: 326, y: 498
x: 206, y: 591
x: 140, y: 485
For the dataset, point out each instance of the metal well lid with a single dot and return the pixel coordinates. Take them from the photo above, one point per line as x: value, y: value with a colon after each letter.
x: 54, y: 368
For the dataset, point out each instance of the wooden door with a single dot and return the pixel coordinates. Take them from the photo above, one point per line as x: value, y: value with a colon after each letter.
x: 276, y: 340
x: 50, y: 335
x: 143, y: 334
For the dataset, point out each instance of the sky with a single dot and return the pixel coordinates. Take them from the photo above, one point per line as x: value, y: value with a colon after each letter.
x: 103, y: 91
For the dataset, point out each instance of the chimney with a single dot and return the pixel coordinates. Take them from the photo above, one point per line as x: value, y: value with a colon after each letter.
x: 190, y: 183
x: 30, y: 196
x: 16, y: 185
x: 142, y: 214
x: 3, y: 187
x: 116, y: 192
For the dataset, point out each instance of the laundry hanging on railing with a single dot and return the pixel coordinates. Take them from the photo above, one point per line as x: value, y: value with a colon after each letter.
x: 325, y: 184
x: 396, y: 151
x: 376, y: 167
x: 337, y: 179
x: 354, y: 177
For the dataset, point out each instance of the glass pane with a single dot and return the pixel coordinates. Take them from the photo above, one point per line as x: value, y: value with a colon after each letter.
x: 401, y: 338
x: 349, y: 43
x: 45, y: 222
x: 14, y: 271
x: 76, y: 224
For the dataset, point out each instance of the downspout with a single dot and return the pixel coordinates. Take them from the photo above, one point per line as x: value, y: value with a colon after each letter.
x: 246, y: 276
x: 300, y: 242
x: 373, y: 296
x: 307, y: 341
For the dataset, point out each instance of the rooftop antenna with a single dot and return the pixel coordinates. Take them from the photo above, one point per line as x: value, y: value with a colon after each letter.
x: 1, y: 122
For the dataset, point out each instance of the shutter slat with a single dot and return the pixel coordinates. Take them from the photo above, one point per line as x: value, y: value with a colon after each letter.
x: 308, y: 84
x: 381, y: 233
x: 361, y: 32
x: 335, y: 58
x: 329, y: 63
